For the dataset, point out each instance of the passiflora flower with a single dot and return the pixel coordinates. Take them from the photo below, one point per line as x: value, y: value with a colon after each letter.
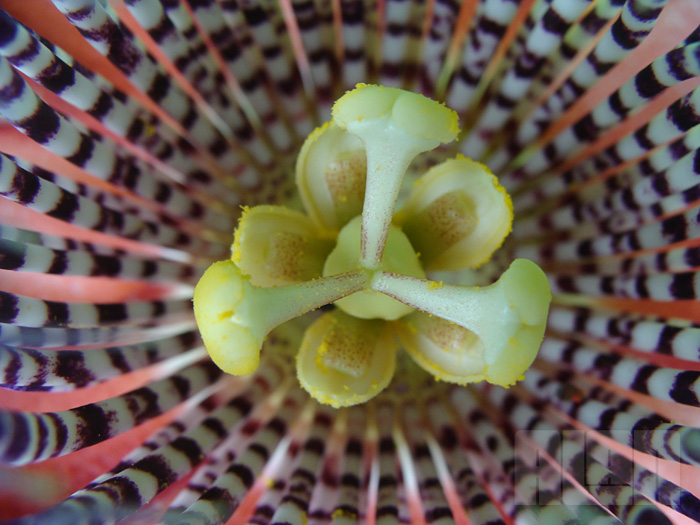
x: 349, y: 262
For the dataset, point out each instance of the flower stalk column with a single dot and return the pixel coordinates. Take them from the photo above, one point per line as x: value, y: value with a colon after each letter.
x: 394, y: 126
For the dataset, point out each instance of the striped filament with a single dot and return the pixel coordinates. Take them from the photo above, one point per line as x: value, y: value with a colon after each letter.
x: 132, y: 132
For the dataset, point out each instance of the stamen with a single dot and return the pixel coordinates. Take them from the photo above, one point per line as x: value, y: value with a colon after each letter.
x: 234, y: 317
x: 275, y: 245
x: 394, y: 126
x: 345, y: 361
x: 509, y: 316
x: 457, y: 215
x: 445, y: 349
x: 330, y: 176
x: 400, y: 258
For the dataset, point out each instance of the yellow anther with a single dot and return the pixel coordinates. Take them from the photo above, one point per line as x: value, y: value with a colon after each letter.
x: 330, y: 176
x: 443, y: 348
x: 344, y: 361
x: 457, y: 215
x: 275, y: 245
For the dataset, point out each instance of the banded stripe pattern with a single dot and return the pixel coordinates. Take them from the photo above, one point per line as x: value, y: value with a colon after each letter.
x: 523, y: 415
x: 132, y: 132
x: 34, y: 437
x: 45, y: 370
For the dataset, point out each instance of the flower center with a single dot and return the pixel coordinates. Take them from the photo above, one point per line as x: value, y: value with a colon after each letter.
x: 399, y: 257
x: 352, y: 249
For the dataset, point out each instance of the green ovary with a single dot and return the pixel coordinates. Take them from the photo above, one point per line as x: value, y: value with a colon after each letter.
x: 399, y: 257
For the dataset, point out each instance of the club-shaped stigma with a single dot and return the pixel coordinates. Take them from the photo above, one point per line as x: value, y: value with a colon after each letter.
x: 234, y: 316
x: 394, y: 126
x: 507, y: 320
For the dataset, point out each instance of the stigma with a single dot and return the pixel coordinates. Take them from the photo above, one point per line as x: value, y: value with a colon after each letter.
x: 368, y: 245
